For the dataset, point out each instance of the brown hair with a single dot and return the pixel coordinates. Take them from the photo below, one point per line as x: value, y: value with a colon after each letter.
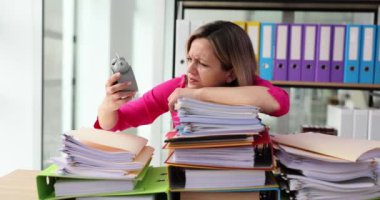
x: 232, y: 46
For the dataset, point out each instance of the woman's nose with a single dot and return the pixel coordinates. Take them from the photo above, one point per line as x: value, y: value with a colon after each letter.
x: 191, y: 67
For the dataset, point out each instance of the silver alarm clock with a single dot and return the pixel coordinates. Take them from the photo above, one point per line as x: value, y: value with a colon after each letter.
x: 119, y: 64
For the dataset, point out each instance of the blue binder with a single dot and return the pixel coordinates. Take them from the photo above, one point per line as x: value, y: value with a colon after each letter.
x: 267, y: 32
x: 367, y: 64
x: 376, y: 79
x: 352, y: 54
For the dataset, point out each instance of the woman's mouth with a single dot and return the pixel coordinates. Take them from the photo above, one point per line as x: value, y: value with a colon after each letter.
x: 191, y: 80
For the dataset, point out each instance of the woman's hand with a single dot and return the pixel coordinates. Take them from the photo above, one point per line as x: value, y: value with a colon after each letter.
x: 115, y: 96
x: 182, y: 92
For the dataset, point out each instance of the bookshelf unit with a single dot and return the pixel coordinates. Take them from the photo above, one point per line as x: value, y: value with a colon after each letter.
x: 367, y: 10
x: 369, y: 6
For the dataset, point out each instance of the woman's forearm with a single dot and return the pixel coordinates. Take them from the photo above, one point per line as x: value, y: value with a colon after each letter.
x: 246, y: 95
x: 107, y: 119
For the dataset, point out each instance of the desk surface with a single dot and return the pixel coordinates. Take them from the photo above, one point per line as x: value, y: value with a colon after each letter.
x: 19, y: 185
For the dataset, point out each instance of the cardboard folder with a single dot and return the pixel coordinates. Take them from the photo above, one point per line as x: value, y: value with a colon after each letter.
x: 344, y: 148
x: 153, y: 180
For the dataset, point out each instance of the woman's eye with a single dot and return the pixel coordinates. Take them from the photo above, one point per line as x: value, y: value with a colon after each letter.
x: 188, y: 59
x: 203, y: 65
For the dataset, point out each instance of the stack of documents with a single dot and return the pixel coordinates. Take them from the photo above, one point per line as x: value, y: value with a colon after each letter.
x: 204, y: 118
x: 320, y: 166
x: 247, y: 152
x: 93, y: 158
x: 220, y: 148
x: 218, y: 136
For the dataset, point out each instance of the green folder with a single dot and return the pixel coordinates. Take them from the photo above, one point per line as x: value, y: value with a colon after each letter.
x: 153, y: 180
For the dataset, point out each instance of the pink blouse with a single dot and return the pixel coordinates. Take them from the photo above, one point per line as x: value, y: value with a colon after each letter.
x: 152, y: 104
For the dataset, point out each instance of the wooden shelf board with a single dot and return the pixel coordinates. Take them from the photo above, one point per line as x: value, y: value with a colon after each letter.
x: 327, y: 85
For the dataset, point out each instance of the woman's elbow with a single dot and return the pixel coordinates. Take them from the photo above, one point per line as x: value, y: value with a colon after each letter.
x: 278, y: 109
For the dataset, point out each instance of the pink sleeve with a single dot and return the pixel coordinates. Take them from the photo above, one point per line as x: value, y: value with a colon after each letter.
x: 147, y: 108
x: 278, y: 93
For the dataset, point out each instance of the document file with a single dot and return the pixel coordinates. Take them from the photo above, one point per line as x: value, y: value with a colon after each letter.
x: 337, y: 60
x: 309, y: 52
x: 280, y: 71
x: 322, y: 73
x: 253, y: 31
x: 295, y: 53
x: 154, y: 181
x: 267, y: 32
x: 366, y: 70
x: 352, y: 54
x: 347, y: 149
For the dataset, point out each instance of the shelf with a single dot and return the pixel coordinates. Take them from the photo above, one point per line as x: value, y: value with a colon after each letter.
x: 327, y: 5
x: 328, y: 85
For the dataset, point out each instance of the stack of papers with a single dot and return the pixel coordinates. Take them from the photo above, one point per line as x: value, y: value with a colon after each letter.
x: 238, y: 157
x: 218, y: 136
x: 220, y: 148
x: 205, y: 118
x: 319, y: 166
x: 97, y: 162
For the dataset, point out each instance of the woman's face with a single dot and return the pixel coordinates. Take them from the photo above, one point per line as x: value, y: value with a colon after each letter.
x: 203, y: 67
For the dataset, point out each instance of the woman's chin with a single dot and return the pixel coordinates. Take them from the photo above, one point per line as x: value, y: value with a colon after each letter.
x: 193, y: 86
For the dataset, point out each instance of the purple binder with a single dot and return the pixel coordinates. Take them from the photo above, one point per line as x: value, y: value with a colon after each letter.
x: 295, y: 52
x: 337, y: 53
x: 280, y: 69
x: 309, y: 49
x: 322, y: 71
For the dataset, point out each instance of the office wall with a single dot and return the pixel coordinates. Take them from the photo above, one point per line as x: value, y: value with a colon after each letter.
x: 134, y: 29
x: 20, y: 84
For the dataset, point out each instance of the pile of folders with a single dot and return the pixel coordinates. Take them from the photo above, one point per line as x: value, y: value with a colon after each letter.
x: 320, y: 166
x: 220, y: 152
x: 97, y: 164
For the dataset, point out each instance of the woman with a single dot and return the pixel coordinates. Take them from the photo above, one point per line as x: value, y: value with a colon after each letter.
x: 220, y: 68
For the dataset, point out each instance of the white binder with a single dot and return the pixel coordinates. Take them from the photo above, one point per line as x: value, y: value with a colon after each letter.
x: 361, y: 124
x: 374, y: 124
x: 341, y: 118
x: 182, y: 34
